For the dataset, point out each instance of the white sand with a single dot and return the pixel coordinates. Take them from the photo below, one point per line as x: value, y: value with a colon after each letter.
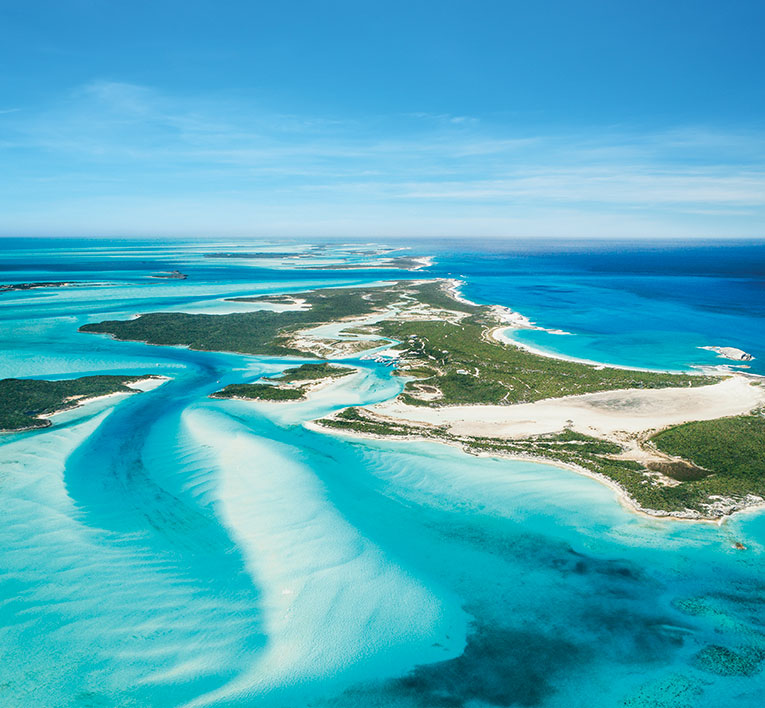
x: 599, y: 414
x: 730, y: 353
x: 329, y: 596
x: 74, y: 403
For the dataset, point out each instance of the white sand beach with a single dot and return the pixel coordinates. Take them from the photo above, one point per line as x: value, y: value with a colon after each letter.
x: 600, y: 414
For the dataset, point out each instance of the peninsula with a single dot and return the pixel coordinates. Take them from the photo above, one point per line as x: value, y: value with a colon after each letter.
x: 25, y: 404
x: 674, y: 444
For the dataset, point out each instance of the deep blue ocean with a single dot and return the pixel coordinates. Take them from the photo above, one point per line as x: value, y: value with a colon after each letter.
x: 167, y: 549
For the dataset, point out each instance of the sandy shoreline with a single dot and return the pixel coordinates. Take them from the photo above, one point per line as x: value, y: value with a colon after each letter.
x: 513, y: 320
x: 621, y: 493
x: 602, y: 414
x: 149, y: 383
x: 499, y: 334
x: 310, y: 390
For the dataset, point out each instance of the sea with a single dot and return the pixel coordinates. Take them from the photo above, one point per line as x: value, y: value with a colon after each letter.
x: 167, y: 549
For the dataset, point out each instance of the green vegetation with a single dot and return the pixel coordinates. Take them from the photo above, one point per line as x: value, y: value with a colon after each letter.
x: 22, y: 401
x: 447, y: 350
x: 260, y: 392
x: 310, y: 372
x: 33, y: 286
x: 433, y: 294
x: 360, y: 421
x: 262, y: 332
x: 278, y: 391
x: 417, y: 372
x: 732, y: 448
x: 472, y: 369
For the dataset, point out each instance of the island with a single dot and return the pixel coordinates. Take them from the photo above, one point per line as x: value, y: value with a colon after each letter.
x: 291, y: 385
x: 255, y: 255
x: 394, y: 263
x: 375, y: 260
x: 684, y: 445
x: 730, y: 353
x: 10, y: 287
x: 170, y: 275
x: 25, y: 404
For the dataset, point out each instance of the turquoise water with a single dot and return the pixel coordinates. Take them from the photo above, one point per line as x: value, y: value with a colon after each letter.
x: 645, y: 305
x: 167, y: 549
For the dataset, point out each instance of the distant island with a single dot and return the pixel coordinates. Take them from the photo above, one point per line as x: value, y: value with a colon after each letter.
x: 25, y: 404
x: 170, y: 275
x: 254, y: 255
x: 375, y: 261
x: 672, y: 444
x: 33, y: 286
x: 395, y: 263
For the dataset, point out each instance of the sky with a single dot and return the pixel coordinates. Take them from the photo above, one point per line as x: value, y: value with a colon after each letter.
x: 469, y: 119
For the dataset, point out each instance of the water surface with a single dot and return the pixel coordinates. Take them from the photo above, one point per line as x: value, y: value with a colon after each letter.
x: 173, y: 550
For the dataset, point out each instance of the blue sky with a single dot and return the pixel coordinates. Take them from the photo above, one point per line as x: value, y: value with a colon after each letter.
x: 518, y: 119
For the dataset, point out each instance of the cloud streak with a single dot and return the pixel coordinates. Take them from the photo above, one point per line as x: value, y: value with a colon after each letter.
x: 134, y: 148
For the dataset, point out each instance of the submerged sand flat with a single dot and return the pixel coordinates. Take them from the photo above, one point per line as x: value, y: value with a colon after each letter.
x: 599, y: 414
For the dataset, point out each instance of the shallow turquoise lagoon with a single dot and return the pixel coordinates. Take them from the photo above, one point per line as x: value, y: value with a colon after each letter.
x: 167, y: 549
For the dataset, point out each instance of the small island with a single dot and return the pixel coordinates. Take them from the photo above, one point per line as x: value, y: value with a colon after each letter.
x: 665, y: 441
x: 292, y: 385
x: 170, y: 275
x: 10, y: 287
x: 26, y: 403
x: 732, y: 353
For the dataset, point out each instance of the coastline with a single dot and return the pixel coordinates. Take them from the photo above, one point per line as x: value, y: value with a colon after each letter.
x: 727, y: 506
x: 621, y: 416
x: 499, y: 335
x: 624, y: 498
x: 148, y: 383
x: 309, y: 390
x: 514, y: 320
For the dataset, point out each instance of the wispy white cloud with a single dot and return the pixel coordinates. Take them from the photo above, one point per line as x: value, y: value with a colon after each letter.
x: 135, y: 148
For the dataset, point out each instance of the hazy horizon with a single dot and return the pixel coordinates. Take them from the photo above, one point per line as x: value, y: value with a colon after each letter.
x: 496, y: 120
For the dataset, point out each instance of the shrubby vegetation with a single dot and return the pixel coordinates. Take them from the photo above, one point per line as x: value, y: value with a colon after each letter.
x: 433, y: 294
x: 310, y: 372
x: 732, y: 449
x: 359, y: 421
x: 278, y: 391
x: 22, y: 401
x: 471, y: 370
x: 262, y: 332
x: 466, y: 367
x: 260, y: 392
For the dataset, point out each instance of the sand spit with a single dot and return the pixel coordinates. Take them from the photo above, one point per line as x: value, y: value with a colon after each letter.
x: 730, y: 353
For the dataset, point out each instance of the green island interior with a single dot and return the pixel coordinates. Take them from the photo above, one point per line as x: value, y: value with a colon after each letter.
x: 24, y: 401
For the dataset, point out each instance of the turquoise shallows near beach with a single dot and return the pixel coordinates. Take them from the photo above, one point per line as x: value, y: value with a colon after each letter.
x: 166, y: 549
